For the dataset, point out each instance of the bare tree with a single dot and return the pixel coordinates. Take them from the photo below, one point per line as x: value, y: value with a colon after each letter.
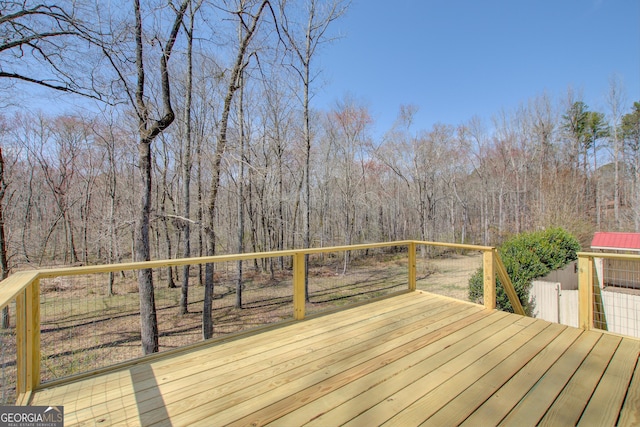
x: 149, y: 127
x: 249, y: 18
x: 29, y: 29
x: 187, y: 162
x: 542, y: 126
x: 475, y: 143
x: 40, y: 45
x: 55, y: 145
x: 165, y: 195
x: 240, y: 183
x: 305, y: 38
x: 616, y: 101
x: 277, y: 115
x: 349, y: 133
x: 107, y: 136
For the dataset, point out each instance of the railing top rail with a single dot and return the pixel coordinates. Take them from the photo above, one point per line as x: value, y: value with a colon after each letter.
x: 18, y: 281
x: 105, y: 268
x: 609, y: 255
x: 454, y: 245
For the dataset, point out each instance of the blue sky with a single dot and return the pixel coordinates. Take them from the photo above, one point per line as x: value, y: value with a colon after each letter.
x: 458, y: 58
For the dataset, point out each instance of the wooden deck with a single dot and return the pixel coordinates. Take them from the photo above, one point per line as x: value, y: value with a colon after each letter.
x: 414, y: 359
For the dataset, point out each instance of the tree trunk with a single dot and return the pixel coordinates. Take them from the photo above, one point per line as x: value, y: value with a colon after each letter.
x: 186, y: 169
x: 165, y: 222
x: 148, y: 319
x: 112, y: 189
x: 207, y: 321
x: 307, y: 172
x: 149, y: 130
x: 240, y: 201
x: 200, y: 208
x: 4, y: 264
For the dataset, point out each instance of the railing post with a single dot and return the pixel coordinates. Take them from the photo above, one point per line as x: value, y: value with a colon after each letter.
x: 412, y: 266
x: 33, y: 329
x: 298, y: 285
x: 28, y: 339
x: 488, y: 267
x: 585, y: 296
x: 21, y: 340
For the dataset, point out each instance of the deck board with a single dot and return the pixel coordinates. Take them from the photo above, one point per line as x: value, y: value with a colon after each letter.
x: 364, y: 366
x: 453, y: 411
x: 551, y: 383
x: 503, y: 400
x: 413, y: 359
x: 296, y: 378
x: 362, y: 393
x: 630, y: 413
x: 570, y: 404
x: 420, y: 385
x: 608, y: 398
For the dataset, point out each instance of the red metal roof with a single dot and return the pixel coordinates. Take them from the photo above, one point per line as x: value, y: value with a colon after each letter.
x: 611, y: 240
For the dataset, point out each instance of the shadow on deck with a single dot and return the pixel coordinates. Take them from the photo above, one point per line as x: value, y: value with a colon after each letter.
x: 413, y: 359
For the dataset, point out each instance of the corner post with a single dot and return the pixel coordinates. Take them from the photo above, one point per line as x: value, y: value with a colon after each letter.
x: 33, y: 332
x: 412, y: 266
x: 28, y: 340
x: 585, y: 295
x: 298, y: 285
x: 488, y: 267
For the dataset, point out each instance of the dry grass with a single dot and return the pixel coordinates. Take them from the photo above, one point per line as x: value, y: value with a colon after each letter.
x: 83, y: 328
x: 448, y: 276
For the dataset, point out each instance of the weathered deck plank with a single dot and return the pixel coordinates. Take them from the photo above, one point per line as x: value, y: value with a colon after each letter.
x: 409, y: 360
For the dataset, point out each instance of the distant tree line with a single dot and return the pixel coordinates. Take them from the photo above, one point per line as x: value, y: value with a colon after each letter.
x: 72, y: 182
x: 207, y: 142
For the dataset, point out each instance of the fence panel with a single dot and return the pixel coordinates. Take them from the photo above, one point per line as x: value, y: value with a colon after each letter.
x: 614, y: 292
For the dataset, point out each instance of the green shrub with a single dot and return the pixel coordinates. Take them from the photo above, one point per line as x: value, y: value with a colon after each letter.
x: 528, y: 256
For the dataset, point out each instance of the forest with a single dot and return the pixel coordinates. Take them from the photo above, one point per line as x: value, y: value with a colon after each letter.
x: 205, y: 140
x: 249, y: 161
x: 71, y: 183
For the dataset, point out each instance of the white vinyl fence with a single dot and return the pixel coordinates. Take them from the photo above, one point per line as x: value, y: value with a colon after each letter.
x: 554, y: 304
x: 555, y: 298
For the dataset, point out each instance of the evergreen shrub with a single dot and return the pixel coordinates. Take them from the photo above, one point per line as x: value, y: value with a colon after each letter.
x: 528, y: 256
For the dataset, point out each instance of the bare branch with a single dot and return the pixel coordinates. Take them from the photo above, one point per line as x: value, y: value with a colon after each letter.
x: 61, y: 88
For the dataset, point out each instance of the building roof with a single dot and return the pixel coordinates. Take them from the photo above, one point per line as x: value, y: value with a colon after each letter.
x: 616, y: 241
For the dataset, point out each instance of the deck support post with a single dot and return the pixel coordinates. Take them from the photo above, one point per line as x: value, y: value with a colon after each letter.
x: 412, y: 266
x: 28, y: 340
x: 298, y: 285
x: 488, y: 267
x: 585, y: 294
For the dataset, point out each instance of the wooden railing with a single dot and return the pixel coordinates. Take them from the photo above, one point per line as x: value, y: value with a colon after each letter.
x: 24, y: 289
